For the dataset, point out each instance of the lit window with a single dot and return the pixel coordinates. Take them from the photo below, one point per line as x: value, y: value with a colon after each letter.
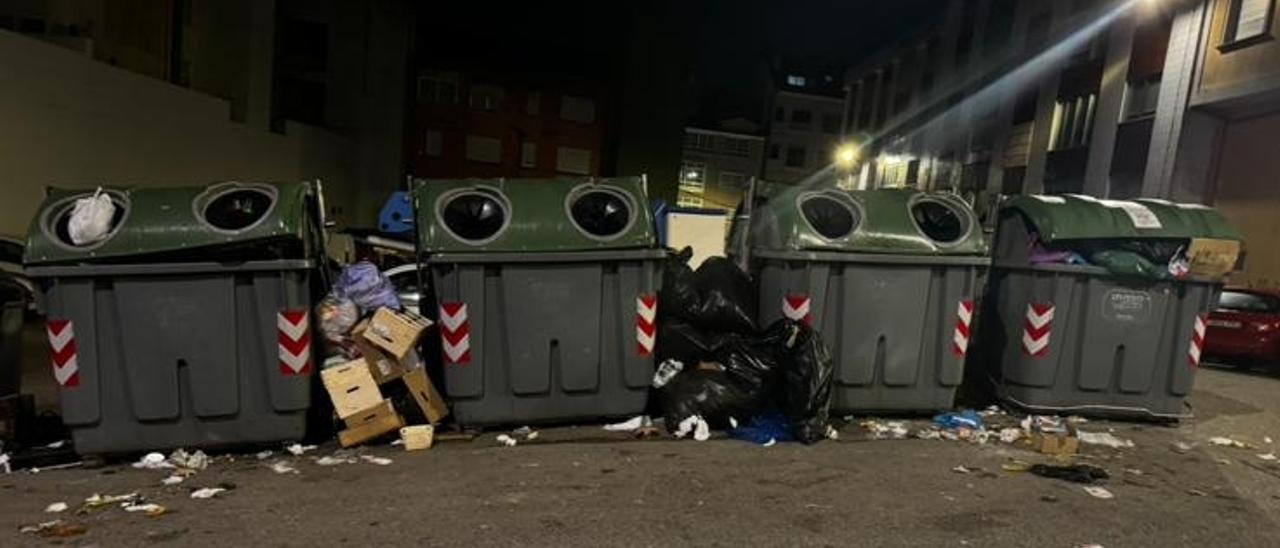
x: 1248, y: 19
x: 529, y: 155
x: 576, y: 161
x: 484, y: 149
x: 693, y: 176
x: 795, y: 80
x: 577, y: 109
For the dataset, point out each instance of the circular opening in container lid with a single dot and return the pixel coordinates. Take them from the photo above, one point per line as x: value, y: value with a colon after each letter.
x: 601, y: 213
x: 238, y: 208
x: 474, y: 216
x: 939, y: 221
x: 832, y: 217
x: 57, y: 221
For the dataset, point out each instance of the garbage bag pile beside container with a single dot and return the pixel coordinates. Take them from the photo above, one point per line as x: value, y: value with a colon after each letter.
x: 186, y: 322
x: 546, y: 295
x: 890, y: 278
x: 1098, y: 307
x: 728, y: 374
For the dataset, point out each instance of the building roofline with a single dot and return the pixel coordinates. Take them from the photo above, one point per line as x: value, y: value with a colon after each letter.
x: 804, y: 95
x: 722, y: 133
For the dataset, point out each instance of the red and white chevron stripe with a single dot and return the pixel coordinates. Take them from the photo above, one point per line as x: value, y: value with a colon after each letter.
x: 293, y: 335
x: 964, y: 318
x: 1035, y: 333
x: 796, y: 307
x: 1197, y: 342
x: 62, y: 346
x: 455, y: 333
x: 646, y: 323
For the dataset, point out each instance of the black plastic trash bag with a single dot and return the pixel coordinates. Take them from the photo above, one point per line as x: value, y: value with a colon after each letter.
x: 726, y: 298
x: 807, y: 372
x: 715, y: 395
x: 678, y: 297
x: 679, y: 340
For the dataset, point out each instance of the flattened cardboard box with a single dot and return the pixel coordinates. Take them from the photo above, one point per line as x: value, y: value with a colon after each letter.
x: 370, y: 423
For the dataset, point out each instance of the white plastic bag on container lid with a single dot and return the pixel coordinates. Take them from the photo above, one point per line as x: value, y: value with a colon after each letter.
x: 91, y: 218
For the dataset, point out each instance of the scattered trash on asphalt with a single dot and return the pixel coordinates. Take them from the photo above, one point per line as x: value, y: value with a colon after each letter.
x: 880, y: 430
x: 191, y: 461
x: 1222, y: 441
x: 1267, y: 456
x: 207, y: 492
x: 832, y: 433
x: 702, y: 432
x: 1197, y: 493
x: 1133, y: 471
x: 525, y: 432
x: 1048, y: 498
x: 264, y: 455
x: 56, y: 508
x: 772, y: 442
x: 380, y: 461
x: 298, y: 449
x: 1103, y: 438
x: 506, y: 440
x: 1181, y: 447
x: 4, y: 463
x: 417, y: 437
x: 283, y: 467
x: 631, y: 425
x: 1099, y: 492
x: 57, y: 444
x: 1224, y: 462
x: 173, y: 479
x: 1010, y: 435
x: 967, y: 419
x: 333, y: 461
x: 54, y: 529
x: 962, y: 469
x: 152, y: 461
x: 97, y: 502
x: 150, y: 509
x: 1266, y: 440
x: 1016, y: 466
x: 1077, y: 473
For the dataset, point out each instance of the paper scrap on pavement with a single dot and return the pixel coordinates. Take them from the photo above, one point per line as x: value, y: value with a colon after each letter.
x: 1098, y: 492
x: 206, y: 492
x: 55, y: 508
x: 634, y: 423
x: 1103, y: 438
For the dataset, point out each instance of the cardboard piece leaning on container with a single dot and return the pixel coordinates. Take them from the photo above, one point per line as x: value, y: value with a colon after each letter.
x: 1213, y: 258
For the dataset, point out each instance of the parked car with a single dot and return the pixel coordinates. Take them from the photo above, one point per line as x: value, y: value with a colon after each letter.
x: 1244, y: 329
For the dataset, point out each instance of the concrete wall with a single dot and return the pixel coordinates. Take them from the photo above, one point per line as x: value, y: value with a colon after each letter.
x: 1246, y: 194
x: 74, y: 122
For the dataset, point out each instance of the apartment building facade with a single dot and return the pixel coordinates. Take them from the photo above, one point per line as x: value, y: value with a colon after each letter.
x: 718, y: 164
x: 804, y: 126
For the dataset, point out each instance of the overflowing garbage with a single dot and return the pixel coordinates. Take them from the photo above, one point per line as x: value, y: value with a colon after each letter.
x: 373, y: 348
x: 719, y: 373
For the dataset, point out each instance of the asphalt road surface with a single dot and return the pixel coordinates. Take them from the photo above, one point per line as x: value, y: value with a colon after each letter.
x: 586, y: 487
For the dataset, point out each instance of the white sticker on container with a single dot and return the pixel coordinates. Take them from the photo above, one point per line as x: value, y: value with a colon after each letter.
x: 1084, y: 197
x: 1051, y: 199
x: 1138, y: 213
x: 1192, y: 206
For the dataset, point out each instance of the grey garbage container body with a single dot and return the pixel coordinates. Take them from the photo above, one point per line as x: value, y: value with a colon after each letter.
x: 1114, y: 347
x: 898, y: 326
x: 895, y: 307
x: 155, y: 355
x: 552, y: 340
x: 1077, y: 339
x: 540, y: 320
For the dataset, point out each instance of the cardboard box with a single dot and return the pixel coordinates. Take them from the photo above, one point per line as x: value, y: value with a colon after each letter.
x: 351, y: 387
x: 417, y: 437
x: 395, y: 332
x: 370, y: 424
x: 383, y: 366
x: 1213, y: 258
x: 425, y: 394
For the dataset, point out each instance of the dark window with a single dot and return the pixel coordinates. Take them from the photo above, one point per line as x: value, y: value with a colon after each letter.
x: 1011, y: 183
x: 801, y: 116
x: 1248, y: 302
x: 779, y: 114
x: 831, y: 123
x: 795, y: 156
x: 774, y: 151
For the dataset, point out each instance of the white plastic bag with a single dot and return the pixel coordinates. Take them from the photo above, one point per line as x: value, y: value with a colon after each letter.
x: 91, y: 218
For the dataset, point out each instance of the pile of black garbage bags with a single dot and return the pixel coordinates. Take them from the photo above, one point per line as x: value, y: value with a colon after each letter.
x: 717, y: 367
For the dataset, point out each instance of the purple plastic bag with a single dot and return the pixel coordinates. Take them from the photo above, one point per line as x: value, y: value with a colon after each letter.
x: 367, y: 287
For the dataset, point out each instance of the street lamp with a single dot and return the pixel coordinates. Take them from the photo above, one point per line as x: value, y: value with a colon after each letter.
x: 846, y: 156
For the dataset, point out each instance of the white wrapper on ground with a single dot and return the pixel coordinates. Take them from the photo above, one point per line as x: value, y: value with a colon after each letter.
x: 1102, y: 438
x: 91, y: 219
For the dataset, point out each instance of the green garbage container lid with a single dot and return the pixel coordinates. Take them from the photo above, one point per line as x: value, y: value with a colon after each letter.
x: 888, y: 221
x: 1078, y: 217
x: 154, y: 220
x: 532, y: 215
